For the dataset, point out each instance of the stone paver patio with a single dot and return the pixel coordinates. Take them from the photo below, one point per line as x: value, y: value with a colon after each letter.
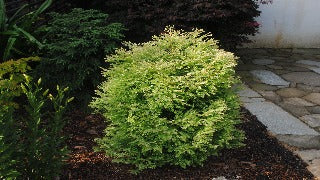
x: 283, y: 91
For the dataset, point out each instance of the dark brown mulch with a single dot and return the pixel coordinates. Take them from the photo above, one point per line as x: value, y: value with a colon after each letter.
x: 262, y: 157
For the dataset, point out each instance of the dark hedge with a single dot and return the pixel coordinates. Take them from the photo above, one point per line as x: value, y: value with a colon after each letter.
x: 230, y: 21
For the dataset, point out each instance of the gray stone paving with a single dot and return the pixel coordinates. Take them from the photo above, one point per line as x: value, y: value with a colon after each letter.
x: 270, y: 78
x: 297, y: 102
x: 263, y: 61
x: 288, y: 84
x: 313, y: 120
x: 295, y: 89
x: 315, y: 69
x: 307, y: 78
x: 313, y: 97
x: 309, y: 62
x: 290, y: 92
x: 279, y: 122
x: 311, y: 157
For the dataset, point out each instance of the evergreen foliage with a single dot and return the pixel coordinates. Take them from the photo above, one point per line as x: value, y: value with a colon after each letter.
x: 75, y: 44
x: 169, y: 101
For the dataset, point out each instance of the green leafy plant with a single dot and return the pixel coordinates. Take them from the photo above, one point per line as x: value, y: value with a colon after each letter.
x: 43, y: 144
x: 32, y: 144
x: 8, y: 140
x: 75, y: 46
x: 11, y: 76
x: 169, y: 101
x: 16, y: 31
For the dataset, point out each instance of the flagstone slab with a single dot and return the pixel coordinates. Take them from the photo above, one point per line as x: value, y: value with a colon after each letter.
x: 313, y: 97
x: 270, y: 95
x: 309, y: 51
x: 314, y: 109
x: 297, y: 69
x: 313, y: 120
x: 297, y: 111
x: 308, y: 78
x: 263, y: 87
x: 290, y: 92
x: 309, y: 62
x: 280, y: 71
x: 277, y: 120
x: 308, y: 88
x: 274, y: 67
x: 314, y: 168
x: 250, y: 100
x: 263, y: 61
x: 245, y: 91
x: 269, y: 77
x: 301, y: 141
x: 309, y: 154
x: 315, y: 69
x: 297, y: 102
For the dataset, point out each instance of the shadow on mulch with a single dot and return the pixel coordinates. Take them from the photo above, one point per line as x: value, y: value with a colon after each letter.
x: 262, y: 157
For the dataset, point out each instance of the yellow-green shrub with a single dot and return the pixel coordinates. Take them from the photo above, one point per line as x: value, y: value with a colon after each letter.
x: 11, y: 76
x: 169, y: 101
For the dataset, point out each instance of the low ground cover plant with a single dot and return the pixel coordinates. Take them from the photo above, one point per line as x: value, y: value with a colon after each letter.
x: 75, y: 44
x: 169, y: 101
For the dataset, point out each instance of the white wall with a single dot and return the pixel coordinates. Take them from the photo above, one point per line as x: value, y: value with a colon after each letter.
x: 289, y: 24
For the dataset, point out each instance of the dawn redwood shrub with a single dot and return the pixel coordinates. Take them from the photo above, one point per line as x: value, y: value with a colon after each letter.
x: 230, y: 21
x: 169, y: 101
x: 75, y: 44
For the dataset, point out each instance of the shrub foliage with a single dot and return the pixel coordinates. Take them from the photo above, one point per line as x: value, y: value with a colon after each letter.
x: 230, y: 21
x: 75, y: 44
x: 11, y: 76
x: 169, y: 101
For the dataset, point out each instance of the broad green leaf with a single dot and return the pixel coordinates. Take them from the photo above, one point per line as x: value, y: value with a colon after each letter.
x: 9, y: 47
x: 28, y: 36
x: 9, y: 33
x: 13, y: 19
x: 35, y: 14
x: 2, y: 15
x: 42, y: 8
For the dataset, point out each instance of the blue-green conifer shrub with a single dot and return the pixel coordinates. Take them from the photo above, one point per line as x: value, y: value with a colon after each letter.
x: 169, y: 101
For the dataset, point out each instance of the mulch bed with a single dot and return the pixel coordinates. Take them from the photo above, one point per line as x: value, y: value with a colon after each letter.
x: 262, y: 157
